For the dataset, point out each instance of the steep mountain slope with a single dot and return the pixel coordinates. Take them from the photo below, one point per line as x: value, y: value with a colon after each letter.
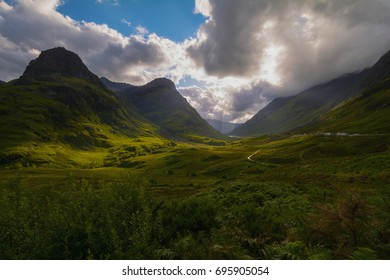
x: 114, y: 86
x: 58, y: 101
x: 314, y: 105
x: 368, y: 111
x: 285, y: 114
x: 2, y: 82
x: 223, y: 127
x: 377, y: 73
x: 162, y: 104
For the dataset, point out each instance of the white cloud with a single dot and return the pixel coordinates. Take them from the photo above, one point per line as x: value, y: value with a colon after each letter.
x: 124, y: 21
x: 141, y: 30
x: 40, y: 6
x: 112, y: 2
x: 5, y: 7
x: 202, y: 7
x: 29, y: 28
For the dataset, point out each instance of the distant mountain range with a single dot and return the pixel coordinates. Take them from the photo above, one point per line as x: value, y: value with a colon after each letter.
x: 2, y: 82
x: 161, y: 103
x: 288, y: 113
x: 223, y: 127
x: 61, y: 106
x: 312, y: 107
x: 121, y: 88
x: 58, y: 100
x: 175, y: 103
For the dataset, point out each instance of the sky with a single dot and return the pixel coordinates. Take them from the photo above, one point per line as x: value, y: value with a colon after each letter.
x: 229, y: 58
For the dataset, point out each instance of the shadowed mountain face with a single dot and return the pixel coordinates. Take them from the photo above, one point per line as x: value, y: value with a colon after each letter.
x: 368, y: 111
x: 58, y: 100
x: 223, y: 127
x: 160, y: 102
x: 58, y: 62
x: 2, y: 82
x: 377, y: 73
x: 285, y: 114
x: 310, y: 107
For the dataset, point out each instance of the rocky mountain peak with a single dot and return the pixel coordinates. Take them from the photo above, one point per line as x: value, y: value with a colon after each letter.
x: 58, y: 62
x: 162, y: 82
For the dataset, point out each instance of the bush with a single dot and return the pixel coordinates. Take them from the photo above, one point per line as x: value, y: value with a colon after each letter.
x: 344, y: 225
x: 86, y: 220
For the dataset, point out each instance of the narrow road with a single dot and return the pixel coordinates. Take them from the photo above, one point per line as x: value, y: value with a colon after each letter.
x: 250, y: 157
x: 258, y: 162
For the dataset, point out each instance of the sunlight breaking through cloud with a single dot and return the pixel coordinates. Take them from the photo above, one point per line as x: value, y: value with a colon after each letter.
x: 249, y: 50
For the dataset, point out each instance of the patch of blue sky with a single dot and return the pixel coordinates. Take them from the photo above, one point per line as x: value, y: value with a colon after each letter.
x: 172, y: 19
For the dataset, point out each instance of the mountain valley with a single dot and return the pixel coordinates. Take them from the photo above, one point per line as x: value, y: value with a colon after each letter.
x: 93, y: 169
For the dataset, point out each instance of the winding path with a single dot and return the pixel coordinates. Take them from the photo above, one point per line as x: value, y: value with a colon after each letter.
x: 250, y: 157
x: 258, y: 162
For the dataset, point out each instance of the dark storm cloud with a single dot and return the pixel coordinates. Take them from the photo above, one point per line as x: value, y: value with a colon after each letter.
x: 230, y: 47
x: 320, y: 40
x: 115, y: 59
x: 248, y: 99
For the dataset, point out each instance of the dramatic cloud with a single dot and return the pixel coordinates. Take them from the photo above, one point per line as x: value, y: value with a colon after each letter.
x: 281, y: 47
x: 203, y: 100
x: 305, y: 42
x: 244, y: 55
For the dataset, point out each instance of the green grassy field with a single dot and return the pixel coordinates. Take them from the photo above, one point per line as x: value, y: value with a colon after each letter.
x: 299, y: 197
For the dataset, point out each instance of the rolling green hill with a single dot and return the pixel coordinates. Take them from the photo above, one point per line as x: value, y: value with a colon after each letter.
x: 58, y: 106
x: 160, y: 102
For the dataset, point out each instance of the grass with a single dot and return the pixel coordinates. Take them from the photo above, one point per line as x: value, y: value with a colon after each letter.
x: 367, y: 112
x: 210, y: 201
x: 66, y: 123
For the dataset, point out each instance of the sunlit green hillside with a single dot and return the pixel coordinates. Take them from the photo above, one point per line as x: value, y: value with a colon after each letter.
x: 87, y: 175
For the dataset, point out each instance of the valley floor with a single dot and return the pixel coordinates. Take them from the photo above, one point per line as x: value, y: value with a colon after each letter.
x: 281, y: 197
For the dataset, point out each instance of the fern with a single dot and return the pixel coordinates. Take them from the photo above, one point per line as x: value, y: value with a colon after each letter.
x: 363, y: 253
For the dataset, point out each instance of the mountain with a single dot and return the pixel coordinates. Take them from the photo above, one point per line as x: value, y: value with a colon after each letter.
x: 368, y: 111
x: 311, y: 107
x: 223, y: 127
x: 56, y: 63
x: 114, y: 86
x: 2, y: 82
x: 288, y: 113
x: 377, y: 73
x: 161, y: 103
x: 59, y: 102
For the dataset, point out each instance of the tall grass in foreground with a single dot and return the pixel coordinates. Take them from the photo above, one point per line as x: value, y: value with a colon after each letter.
x: 99, y: 220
